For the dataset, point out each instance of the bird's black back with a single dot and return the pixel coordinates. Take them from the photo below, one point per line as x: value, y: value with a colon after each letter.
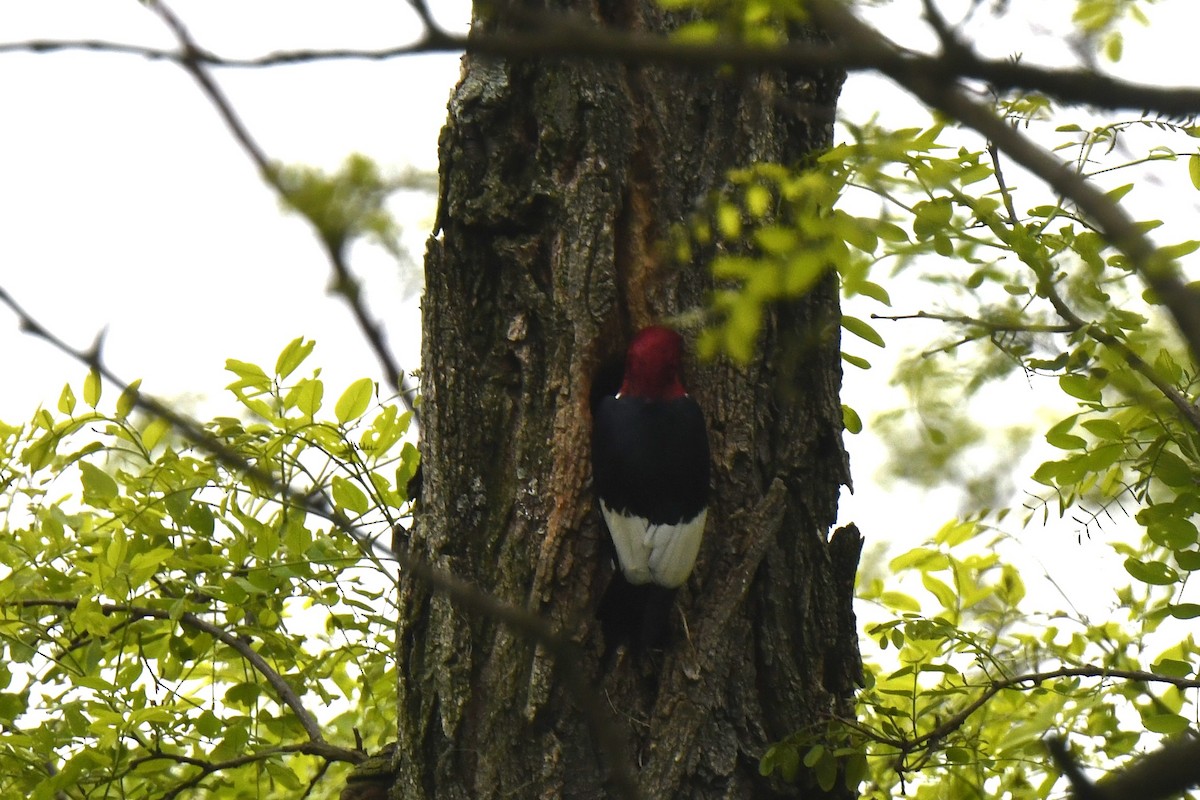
x: 650, y: 458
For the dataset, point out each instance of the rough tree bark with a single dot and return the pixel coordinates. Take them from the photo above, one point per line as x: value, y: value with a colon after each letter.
x: 558, y: 179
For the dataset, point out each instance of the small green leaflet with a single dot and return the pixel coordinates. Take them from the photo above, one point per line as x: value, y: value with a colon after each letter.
x: 354, y: 401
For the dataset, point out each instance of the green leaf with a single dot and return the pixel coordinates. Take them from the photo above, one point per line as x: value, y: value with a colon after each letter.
x: 1194, y: 169
x: 1172, y: 532
x: 776, y: 239
x: 249, y: 374
x: 354, y: 401
x: 1177, y: 251
x: 956, y: 532
x: 873, y: 291
x: 1172, y: 470
x: 1114, y: 45
x: 1185, y: 611
x: 890, y: 232
x: 293, y: 356
x: 1166, y: 365
x: 1188, y: 560
x: 855, y: 361
x: 1115, y: 195
x: 306, y: 396
x: 1173, y: 666
x: 858, y: 233
x: 862, y: 330
x: 959, y: 755
x: 154, y: 432
x: 1059, y: 437
x: 1165, y: 723
x: 946, y: 596
x: 66, y: 400
x: 931, y: 217
x: 99, y: 488
x: 1081, y: 387
x: 850, y: 420
x: 128, y: 399
x: 898, y: 601
x: 922, y: 558
x: 1103, y: 429
x: 1155, y: 573
x: 758, y: 200
x: 728, y: 217
x: 91, y: 388
x: 697, y: 31
x: 826, y: 771
x: 348, y: 496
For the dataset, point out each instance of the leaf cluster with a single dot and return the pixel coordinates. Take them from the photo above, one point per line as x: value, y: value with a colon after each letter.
x: 168, y: 624
x: 1023, y: 286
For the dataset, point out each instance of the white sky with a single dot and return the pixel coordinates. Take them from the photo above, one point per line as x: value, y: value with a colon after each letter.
x: 125, y: 204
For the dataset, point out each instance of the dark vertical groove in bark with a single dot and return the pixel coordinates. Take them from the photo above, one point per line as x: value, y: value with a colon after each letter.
x: 558, y: 180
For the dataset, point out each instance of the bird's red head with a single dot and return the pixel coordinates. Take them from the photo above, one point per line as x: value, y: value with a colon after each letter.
x: 652, y: 365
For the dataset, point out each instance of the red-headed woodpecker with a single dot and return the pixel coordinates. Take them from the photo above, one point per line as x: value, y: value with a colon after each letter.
x: 650, y: 468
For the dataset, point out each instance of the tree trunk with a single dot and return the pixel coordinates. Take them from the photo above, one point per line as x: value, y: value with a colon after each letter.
x: 559, y: 178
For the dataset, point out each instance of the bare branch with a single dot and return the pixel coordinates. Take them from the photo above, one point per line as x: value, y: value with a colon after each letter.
x: 1163, y: 773
x: 1081, y: 786
x: 277, y: 59
x: 562, y: 36
x: 990, y: 326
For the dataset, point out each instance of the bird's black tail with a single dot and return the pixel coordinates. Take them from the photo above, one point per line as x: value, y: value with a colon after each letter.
x: 634, y: 615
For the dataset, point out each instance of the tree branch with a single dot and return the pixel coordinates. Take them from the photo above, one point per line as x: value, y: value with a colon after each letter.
x: 207, y: 768
x: 990, y: 326
x: 956, y: 721
x: 562, y: 36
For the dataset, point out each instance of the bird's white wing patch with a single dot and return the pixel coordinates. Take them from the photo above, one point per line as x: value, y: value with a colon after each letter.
x: 629, y: 537
x: 660, y: 554
x: 673, y: 549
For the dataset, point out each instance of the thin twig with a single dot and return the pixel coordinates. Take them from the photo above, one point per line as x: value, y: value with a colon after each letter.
x: 195, y: 60
x: 954, y: 722
x: 991, y: 326
x: 433, y: 31
x: 1005, y: 192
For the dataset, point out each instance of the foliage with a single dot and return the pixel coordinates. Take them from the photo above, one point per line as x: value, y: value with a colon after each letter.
x: 1039, y: 294
x: 1024, y: 285
x: 350, y: 203
x: 167, y: 619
